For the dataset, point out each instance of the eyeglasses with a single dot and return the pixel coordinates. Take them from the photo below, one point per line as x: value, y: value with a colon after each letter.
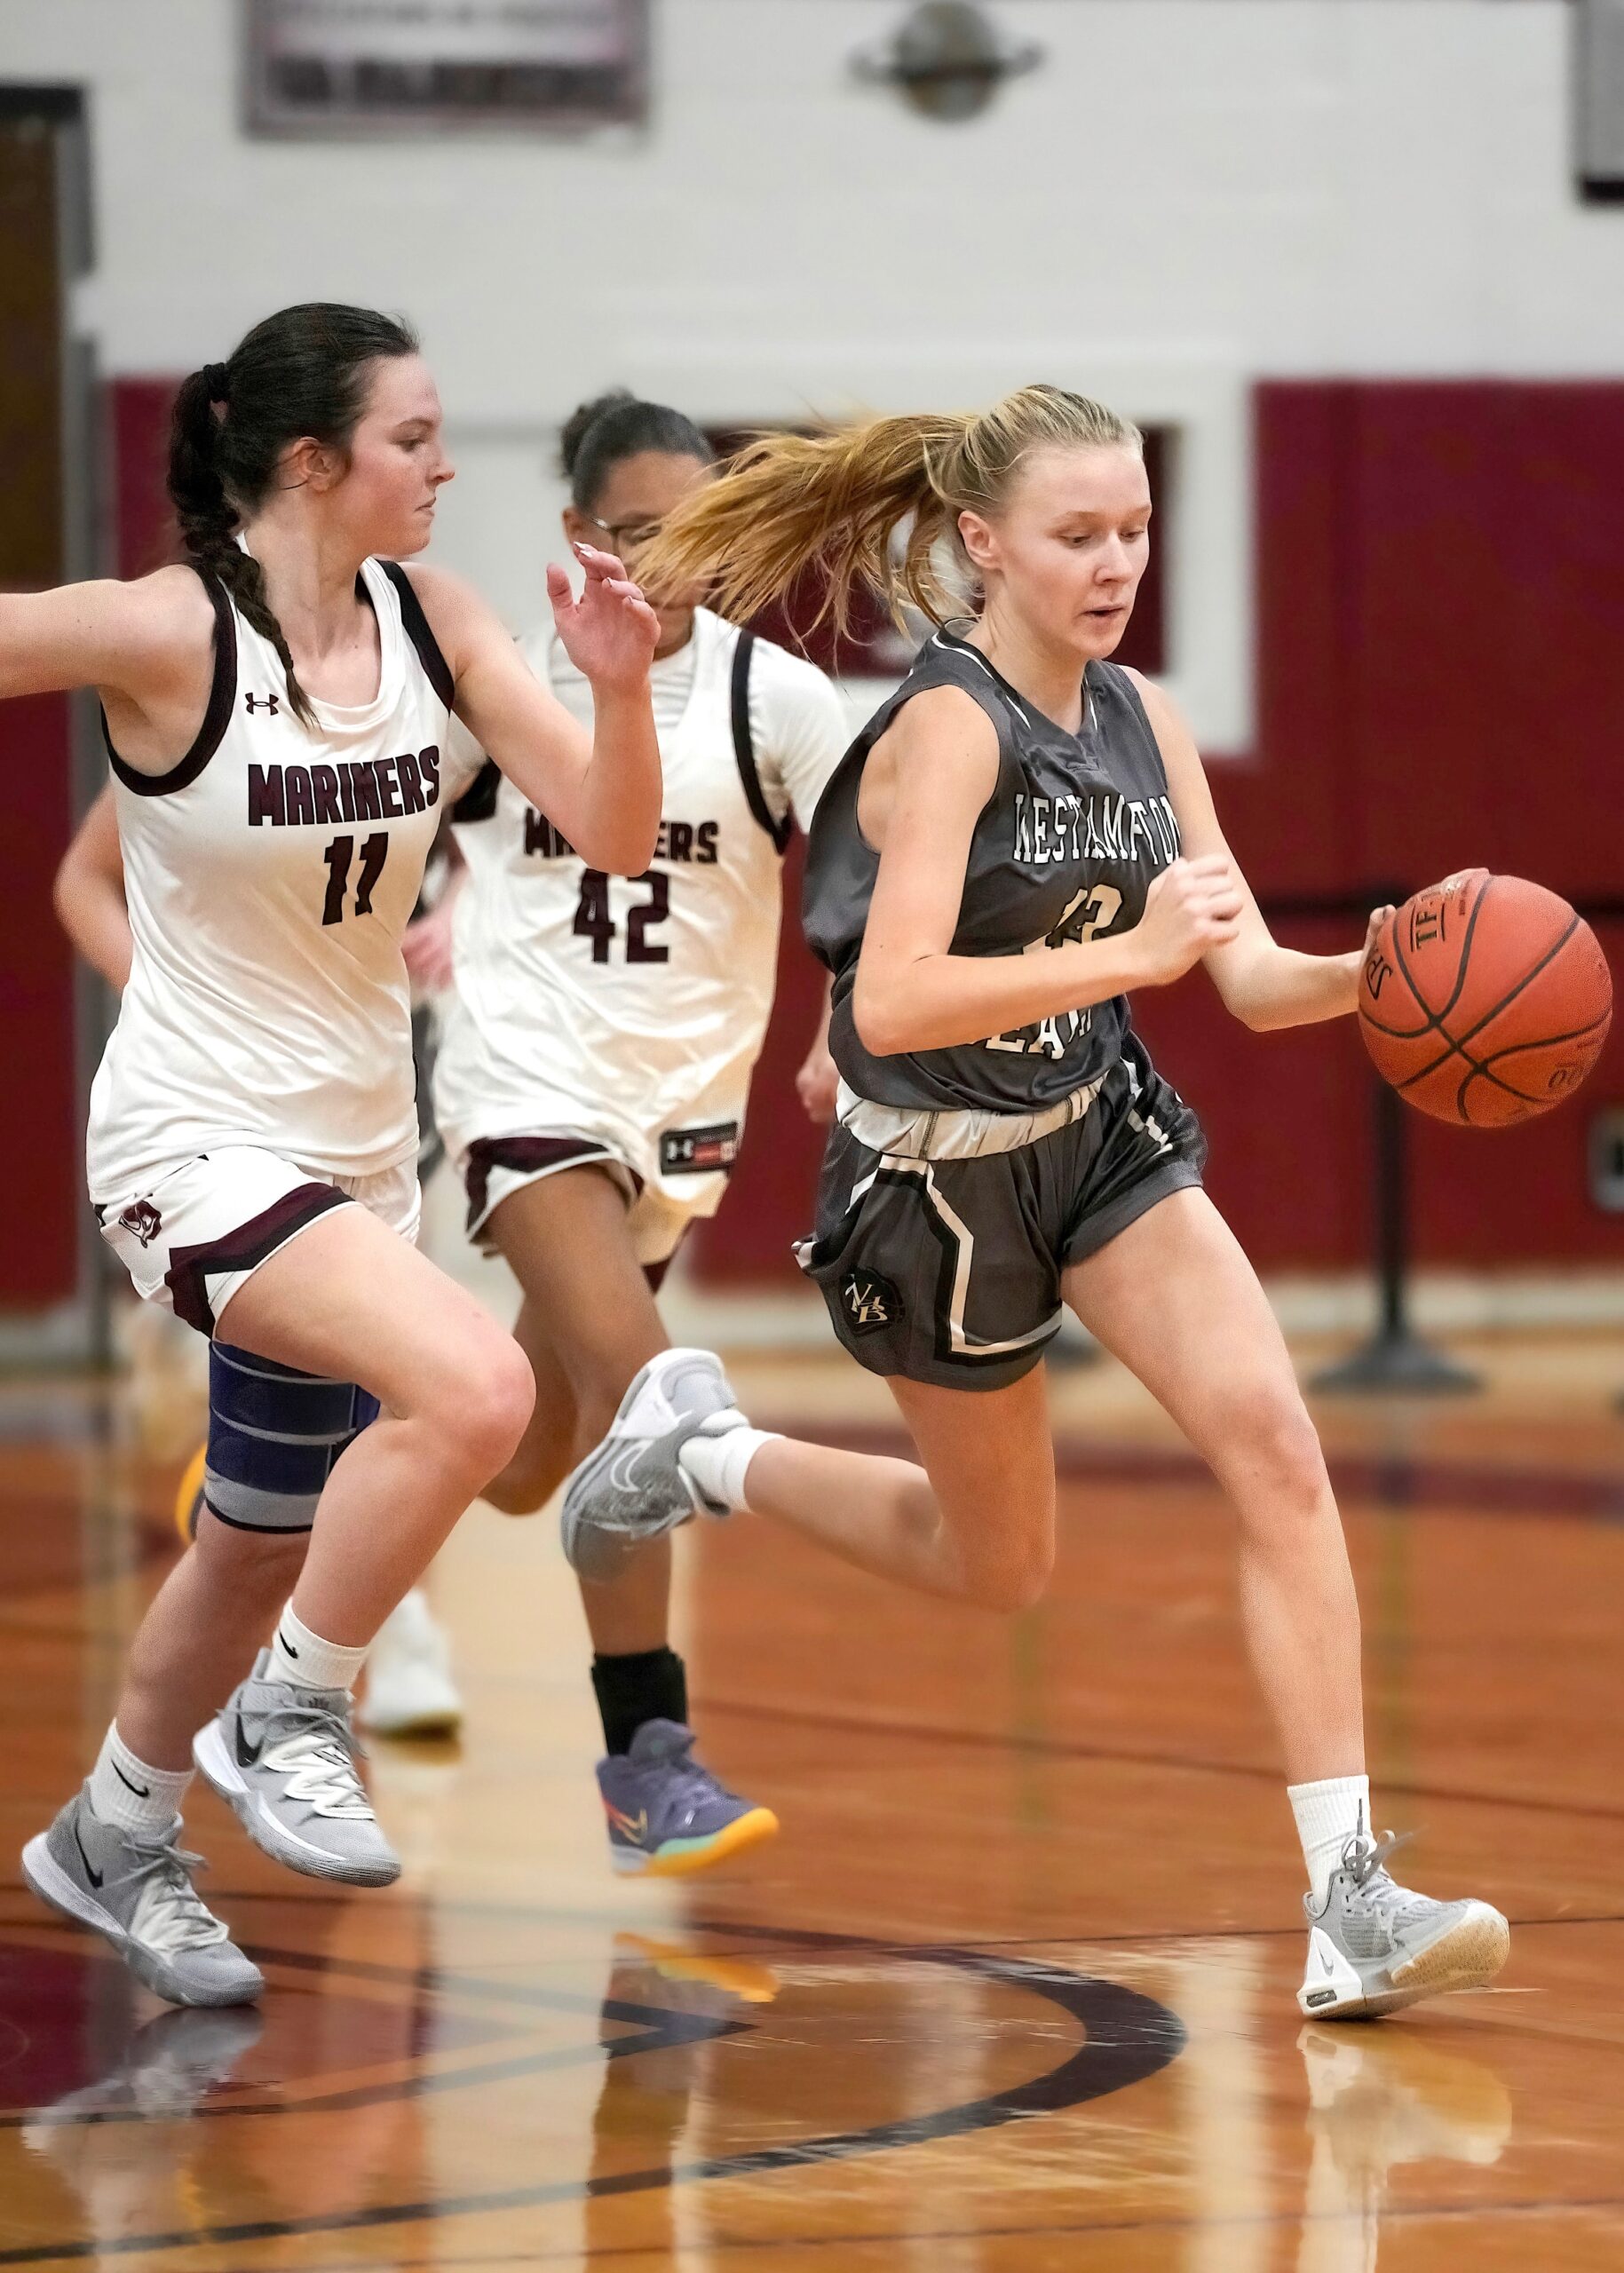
x: 627, y: 536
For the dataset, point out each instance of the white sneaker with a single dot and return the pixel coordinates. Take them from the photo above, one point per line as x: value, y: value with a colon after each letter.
x: 409, y: 1689
x: 1374, y: 1946
x: 633, y: 1486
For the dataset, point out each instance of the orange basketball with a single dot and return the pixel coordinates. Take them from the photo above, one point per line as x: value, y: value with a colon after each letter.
x: 1484, y: 999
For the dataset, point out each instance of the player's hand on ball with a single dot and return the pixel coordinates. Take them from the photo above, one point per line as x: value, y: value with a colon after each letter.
x: 609, y: 632
x: 1353, y: 964
x: 1192, y: 908
x: 1372, y: 929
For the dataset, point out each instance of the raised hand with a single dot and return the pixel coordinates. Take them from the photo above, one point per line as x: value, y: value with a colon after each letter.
x: 1192, y: 908
x: 609, y: 632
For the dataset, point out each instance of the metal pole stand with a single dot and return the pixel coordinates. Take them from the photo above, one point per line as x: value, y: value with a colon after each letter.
x: 1395, y: 1361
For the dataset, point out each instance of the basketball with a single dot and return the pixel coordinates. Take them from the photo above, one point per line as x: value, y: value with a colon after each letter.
x: 1485, y: 1000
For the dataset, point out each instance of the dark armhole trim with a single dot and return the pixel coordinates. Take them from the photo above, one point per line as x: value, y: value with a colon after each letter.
x: 478, y: 801
x: 416, y: 628
x: 217, y: 717
x: 744, y: 745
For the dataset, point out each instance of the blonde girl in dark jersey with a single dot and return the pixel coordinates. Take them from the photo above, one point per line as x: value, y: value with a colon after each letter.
x: 1021, y: 837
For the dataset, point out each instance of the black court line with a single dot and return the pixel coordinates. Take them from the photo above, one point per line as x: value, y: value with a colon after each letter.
x: 1070, y: 1748
x: 1128, y: 2038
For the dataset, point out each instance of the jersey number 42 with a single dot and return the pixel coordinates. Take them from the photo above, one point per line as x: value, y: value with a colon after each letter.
x: 595, y: 918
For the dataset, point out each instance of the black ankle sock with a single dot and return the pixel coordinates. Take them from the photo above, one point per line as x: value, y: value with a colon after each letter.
x: 644, y: 1685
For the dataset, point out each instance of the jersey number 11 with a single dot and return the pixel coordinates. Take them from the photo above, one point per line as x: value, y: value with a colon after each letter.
x: 339, y: 856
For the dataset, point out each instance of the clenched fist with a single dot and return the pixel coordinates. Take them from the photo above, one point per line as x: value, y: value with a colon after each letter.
x: 1192, y: 908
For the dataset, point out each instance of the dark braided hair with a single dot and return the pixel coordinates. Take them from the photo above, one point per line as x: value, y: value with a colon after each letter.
x: 617, y: 425
x: 303, y: 371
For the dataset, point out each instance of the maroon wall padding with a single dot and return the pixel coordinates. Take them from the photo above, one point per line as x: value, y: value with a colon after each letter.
x: 41, y: 1164
x: 769, y: 1194
x: 1441, y: 620
x: 41, y: 1154
x: 143, y: 523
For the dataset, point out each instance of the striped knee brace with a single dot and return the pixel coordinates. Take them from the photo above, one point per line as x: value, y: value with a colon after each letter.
x: 274, y: 1435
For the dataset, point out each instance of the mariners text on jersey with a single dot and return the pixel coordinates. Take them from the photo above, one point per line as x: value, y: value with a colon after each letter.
x: 375, y: 788
x: 679, y: 841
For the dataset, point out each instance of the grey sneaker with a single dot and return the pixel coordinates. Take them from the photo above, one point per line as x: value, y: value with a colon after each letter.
x: 634, y: 1487
x: 1374, y: 1946
x: 283, y: 1759
x: 138, y: 1894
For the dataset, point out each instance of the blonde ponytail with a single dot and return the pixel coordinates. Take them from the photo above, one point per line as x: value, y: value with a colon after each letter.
x: 835, y: 502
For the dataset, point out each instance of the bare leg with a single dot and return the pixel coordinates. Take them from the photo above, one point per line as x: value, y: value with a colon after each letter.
x: 588, y: 1322
x: 1175, y: 1298
x: 548, y: 1453
x: 976, y: 1524
x: 349, y: 1299
x: 202, y: 1635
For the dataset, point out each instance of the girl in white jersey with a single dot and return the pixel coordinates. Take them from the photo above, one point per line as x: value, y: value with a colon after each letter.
x: 593, y: 1073
x: 275, y: 719
x: 409, y: 1688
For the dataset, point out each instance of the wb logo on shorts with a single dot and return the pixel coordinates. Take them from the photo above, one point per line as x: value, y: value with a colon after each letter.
x: 869, y: 1302
x: 142, y: 1220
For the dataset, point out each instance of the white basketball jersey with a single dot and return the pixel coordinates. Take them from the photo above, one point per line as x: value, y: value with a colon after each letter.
x: 583, y: 999
x: 270, y: 875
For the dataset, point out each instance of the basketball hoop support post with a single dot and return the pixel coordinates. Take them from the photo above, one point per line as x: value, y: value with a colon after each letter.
x: 1395, y: 1360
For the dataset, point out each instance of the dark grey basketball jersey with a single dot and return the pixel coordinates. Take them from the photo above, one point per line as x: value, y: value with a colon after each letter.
x: 1075, y: 832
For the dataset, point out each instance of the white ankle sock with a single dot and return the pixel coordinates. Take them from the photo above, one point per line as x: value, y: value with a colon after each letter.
x: 719, y: 1464
x: 1328, y: 1814
x: 307, y: 1661
x: 126, y: 1793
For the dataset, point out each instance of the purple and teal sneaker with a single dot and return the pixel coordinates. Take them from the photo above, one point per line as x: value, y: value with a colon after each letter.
x: 668, y: 1815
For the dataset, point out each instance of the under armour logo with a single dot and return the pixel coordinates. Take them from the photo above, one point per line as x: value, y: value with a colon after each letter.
x: 271, y: 702
x: 869, y: 1300
x: 142, y: 1221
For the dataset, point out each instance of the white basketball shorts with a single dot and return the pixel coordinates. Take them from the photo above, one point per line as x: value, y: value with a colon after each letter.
x: 195, y: 1233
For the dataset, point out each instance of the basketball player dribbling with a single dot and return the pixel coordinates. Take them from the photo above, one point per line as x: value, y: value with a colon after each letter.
x: 1019, y: 837
x: 593, y: 1072
x: 275, y: 717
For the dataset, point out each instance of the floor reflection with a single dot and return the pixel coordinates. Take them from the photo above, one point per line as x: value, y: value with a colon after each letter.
x: 1382, y: 2097
x: 178, y: 2126
x: 656, y: 2074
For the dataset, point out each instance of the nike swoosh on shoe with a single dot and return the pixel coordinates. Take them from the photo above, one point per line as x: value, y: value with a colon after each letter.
x: 622, y: 1471
x: 90, y: 1871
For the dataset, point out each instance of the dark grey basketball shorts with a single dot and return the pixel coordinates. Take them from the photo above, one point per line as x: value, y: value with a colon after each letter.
x: 947, y: 1271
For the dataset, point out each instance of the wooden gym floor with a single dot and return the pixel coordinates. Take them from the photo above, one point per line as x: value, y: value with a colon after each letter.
x: 1012, y: 1991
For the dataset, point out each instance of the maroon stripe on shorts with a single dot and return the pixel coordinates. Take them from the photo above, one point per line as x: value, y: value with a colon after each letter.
x: 192, y: 1267
x: 527, y: 1156
x: 655, y: 1273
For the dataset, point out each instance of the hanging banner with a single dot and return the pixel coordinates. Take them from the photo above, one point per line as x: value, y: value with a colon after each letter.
x: 356, y: 67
